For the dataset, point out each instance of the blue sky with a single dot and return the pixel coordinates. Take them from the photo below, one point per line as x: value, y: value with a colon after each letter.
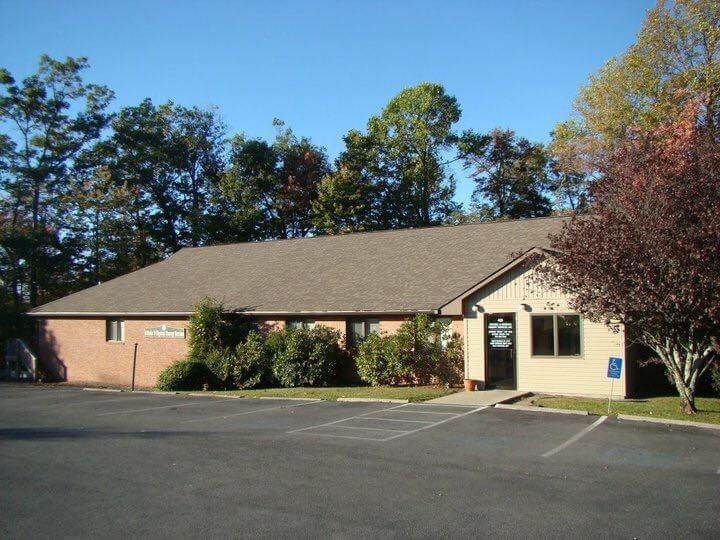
x: 326, y: 66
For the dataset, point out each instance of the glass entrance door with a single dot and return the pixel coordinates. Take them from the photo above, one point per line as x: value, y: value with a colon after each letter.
x: 500, y: 350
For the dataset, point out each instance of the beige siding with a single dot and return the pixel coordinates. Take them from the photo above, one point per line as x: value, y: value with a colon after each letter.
x: 584, y: 375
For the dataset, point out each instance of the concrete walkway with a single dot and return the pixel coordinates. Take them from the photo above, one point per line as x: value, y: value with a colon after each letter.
x: 479, y: 398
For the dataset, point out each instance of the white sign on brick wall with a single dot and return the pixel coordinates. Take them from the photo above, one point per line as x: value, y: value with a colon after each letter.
x: 165, y: 332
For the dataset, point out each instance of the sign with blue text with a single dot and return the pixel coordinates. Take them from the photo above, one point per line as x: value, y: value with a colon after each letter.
x: 614, y: 367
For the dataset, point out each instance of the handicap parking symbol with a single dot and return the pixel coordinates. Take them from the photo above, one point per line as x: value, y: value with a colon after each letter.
x: 614, y: 367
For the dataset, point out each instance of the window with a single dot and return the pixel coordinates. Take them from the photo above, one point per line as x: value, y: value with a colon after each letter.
x: 359, y: 329
x: 294, y: 324
x: 556, y: 335
x: 114, y: 330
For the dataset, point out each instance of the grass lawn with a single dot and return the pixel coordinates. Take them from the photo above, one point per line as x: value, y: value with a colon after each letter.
x: 657, y: 407
x: 412, y: 393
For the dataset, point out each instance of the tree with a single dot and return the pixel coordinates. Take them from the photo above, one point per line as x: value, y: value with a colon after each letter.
x: 402, y: 159
x: 171, y: 157
x: 646, y: 254
x: 344, y: 202
x: 49, y: 119
x: 99, y: 217
x: 510, y: 175
x: 269, y: 189
x: 675, y: 60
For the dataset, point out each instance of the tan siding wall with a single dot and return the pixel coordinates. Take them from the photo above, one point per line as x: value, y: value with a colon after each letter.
x: 585, y: 375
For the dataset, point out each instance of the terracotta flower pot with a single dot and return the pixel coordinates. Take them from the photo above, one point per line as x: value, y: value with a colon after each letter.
x: 470, y: 385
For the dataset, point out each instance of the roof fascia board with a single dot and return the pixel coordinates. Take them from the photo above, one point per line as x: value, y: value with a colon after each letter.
x: 454, y: 306
x: 239, y: 312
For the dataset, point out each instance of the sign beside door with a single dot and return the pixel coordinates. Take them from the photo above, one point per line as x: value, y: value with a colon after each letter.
x: 500, y: 333
x: 500, y: 350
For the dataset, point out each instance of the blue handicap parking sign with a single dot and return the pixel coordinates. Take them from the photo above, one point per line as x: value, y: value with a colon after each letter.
x: 614, y: 367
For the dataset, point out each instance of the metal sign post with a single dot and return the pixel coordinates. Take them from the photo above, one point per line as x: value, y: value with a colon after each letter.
x: 132, y: 382
x: 614, y: 371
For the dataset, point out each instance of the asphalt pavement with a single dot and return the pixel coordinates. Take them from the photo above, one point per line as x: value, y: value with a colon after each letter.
x: 75, y: 463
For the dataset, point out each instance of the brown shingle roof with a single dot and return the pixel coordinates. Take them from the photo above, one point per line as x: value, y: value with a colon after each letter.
x: 388, y: 271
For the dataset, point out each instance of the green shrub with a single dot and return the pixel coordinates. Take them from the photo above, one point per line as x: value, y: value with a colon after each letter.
x: 715, y: 376
x: 373, y: 360
x: 450, y: 368
x: 305, y: 357
x: 211, y: 329
x: 415, y: 354
x: 220, y: 363
x: 184, y: 375
x: 252, y: 364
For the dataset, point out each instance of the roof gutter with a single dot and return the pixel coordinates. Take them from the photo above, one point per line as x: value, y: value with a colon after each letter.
x: 108, y: 313
x: 239, y: 312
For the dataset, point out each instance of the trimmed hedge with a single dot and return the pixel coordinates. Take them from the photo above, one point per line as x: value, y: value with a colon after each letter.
x: 185, y: 375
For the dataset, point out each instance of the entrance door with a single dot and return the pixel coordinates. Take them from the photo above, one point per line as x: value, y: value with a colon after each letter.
x: 500, y: 350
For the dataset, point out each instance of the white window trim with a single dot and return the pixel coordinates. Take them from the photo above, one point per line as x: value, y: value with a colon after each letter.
x: 121, y: 328
x: 556, y: 344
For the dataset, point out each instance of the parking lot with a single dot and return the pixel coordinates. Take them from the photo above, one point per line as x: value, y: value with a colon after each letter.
x: 81, y: 463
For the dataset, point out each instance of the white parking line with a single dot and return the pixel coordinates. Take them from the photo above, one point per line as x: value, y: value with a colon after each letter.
x: 366, y: 416
x: 575, y: 437
x: 396, y: 420
x: 436, y: 423
x: 428, y: 412
x: 161, y: 407
x: 223, y: 417
x: 92, y: 402
x: 334, y: 436
x: 346, y: 419
x: 371, y: 429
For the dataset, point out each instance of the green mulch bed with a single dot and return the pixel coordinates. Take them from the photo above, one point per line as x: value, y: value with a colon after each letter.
x: 412, y: 393
x: 657, y: 407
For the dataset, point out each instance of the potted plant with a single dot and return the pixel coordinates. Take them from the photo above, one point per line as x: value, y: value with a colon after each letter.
x: 470, y: 385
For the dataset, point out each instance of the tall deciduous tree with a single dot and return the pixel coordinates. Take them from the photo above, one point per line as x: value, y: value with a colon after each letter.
x: 171, y: 157
x: 675, y: 59
x: 647, y: 253
x: 403, y: 160
x: 47, y: 120
x: 268, y: 190
x: 510, y: 174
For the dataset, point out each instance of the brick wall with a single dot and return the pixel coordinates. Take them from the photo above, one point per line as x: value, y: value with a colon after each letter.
x: 75, y: 349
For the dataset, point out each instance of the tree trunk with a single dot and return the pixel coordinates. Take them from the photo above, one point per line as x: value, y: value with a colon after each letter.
x: 684, y: 368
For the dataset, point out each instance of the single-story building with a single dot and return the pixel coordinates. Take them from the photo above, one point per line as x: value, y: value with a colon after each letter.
x: 480, y: 276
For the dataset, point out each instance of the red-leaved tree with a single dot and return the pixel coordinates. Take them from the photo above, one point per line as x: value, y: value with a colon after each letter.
x: 648, y: 252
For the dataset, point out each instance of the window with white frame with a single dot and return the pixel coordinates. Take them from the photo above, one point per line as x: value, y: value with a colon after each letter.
x: 114, y: 330
x: 294, y: 324
x: 359, y: 329
x: 556, y: 335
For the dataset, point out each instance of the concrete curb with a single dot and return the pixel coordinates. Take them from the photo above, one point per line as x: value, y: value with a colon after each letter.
x: 668, y: 421
x: 513, y: 398
x: 540, y: 409
x: 371, y: 400
x: 103, y: 390
x: 206, y: 394
x: 286, y: 398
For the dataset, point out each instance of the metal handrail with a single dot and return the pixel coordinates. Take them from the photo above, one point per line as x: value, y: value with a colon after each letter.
x: 19, y: 358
